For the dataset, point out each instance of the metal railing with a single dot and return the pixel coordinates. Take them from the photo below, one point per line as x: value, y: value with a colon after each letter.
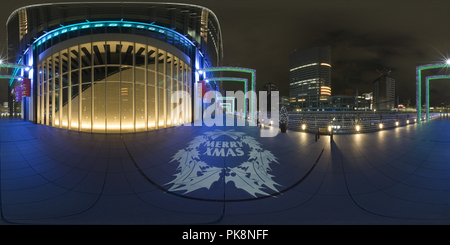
x: 350, y: 122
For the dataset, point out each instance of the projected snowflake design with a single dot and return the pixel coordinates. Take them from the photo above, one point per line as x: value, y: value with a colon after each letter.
x: 252, y: 175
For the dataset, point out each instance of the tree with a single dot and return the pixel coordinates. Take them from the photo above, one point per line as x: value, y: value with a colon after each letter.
x: 284, y: 117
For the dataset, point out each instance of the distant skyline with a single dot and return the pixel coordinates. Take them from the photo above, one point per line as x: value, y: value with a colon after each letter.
x: 364, y: 36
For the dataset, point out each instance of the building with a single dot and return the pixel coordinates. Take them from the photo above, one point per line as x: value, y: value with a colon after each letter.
x: 364, y: 102
x: 310, y: 79
x: 343, y: 102
x: 284, y: 101
x: 110, y: 67
x: 360, y: 102
x: 269, y: 88
x: 4, y: 108
x: 383, y: 89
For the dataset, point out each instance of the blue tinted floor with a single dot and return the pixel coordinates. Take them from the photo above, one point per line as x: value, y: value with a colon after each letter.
x: 224, y: 175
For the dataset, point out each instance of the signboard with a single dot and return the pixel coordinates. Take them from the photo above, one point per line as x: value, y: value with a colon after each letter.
x: 18, y: 91
x: 208, y: 96
x: 201, y: 85
x: 26, y: 87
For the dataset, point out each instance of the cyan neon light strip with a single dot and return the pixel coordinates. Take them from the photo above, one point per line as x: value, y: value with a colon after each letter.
x: 11, y: 81
x: 11, y: 65
x: 16, y: 70
x: 229, y: 104
x: 11, y: 77
x: 419, y: 86
x: 84, y: 25
x: 427, y: 93
x: 245, y: 81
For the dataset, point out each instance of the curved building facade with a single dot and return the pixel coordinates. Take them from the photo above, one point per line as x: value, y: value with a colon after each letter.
x: 310, y: 79
x: 111, y: 67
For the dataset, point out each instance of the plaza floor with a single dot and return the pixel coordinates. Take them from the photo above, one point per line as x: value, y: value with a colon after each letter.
x: 224, y: 175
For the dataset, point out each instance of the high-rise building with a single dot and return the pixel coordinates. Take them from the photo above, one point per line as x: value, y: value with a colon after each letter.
x: 269, y: 87
x: 310, y: 79
x: 384, y: 91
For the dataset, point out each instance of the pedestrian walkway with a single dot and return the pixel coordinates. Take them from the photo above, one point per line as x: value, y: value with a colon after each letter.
x: 224, y: 175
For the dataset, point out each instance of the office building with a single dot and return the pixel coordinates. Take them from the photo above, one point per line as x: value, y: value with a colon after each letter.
x: 310, y: 79
x: 384, y: 91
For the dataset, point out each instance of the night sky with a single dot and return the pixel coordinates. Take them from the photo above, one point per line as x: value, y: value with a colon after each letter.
x: 364, y: 36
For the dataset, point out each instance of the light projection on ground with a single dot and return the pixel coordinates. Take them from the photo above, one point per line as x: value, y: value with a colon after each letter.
x: 247, y: 164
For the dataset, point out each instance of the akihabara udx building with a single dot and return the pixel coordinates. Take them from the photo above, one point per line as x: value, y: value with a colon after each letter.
x: 110, y: 67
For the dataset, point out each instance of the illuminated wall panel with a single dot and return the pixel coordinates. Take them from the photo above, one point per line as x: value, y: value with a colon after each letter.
x: 110, y: 87
x: 99, y: 100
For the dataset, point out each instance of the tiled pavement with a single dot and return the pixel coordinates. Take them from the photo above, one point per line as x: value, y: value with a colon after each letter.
x: 178, y: 176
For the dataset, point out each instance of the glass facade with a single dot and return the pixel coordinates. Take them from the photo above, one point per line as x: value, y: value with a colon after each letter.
x: 76, y: 82
x: 111, y: 87
x: 310, y: 79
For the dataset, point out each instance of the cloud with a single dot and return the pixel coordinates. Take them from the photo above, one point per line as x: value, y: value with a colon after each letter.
x: 357, y: 56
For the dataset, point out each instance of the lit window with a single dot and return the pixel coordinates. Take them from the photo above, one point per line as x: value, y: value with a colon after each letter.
x: 303, y: 66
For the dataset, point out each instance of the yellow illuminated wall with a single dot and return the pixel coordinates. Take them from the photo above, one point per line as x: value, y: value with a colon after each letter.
x: 111, y: 87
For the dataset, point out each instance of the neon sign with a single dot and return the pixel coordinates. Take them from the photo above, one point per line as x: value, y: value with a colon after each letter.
x: 419, y: 86
x: 128, y: 24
